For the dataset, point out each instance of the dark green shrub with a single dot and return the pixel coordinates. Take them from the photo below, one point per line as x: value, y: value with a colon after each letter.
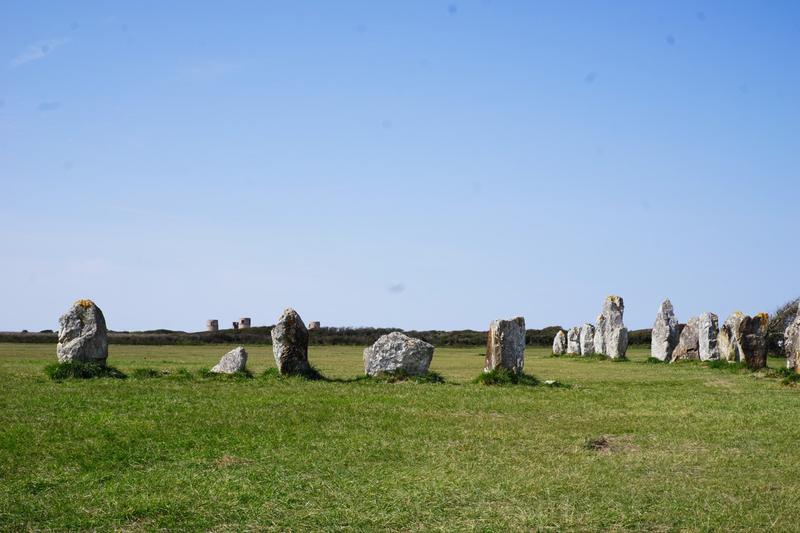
x: 78, y: 370
x: 503, y: 376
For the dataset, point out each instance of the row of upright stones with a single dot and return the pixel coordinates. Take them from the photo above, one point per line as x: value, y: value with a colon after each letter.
x: 741, y: 338
x: 608, y: 336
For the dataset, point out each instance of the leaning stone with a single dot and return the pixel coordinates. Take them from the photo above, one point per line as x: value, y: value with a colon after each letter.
x: 707, y: 333
x: 665, y: 333
x: 586, y: 339
x: 290, y: 344
x: 726, y: 340
x: 560, y: 343
x: 505, y: 347
x: 791, y: 343
x: 688, y: 343
x: 599, y: 339
x: 753, y: 341
x: 82, y: 334
x: 397, y: 352
x: 574, y: 341
x: 232, y: 362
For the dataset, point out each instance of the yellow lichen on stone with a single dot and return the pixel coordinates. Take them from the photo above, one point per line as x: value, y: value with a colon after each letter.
x: 764, y: 318
x: 86, y: 304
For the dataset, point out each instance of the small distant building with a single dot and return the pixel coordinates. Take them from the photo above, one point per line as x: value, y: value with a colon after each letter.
x: 313, y: 325
x: 235, y: 326
x: 244, y: 322
x: 212, y: 325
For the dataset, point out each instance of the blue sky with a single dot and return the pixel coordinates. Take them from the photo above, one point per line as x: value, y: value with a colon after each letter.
x: 423, y: 164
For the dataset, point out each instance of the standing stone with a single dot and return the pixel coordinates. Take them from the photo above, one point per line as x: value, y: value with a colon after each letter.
x: 726, y: 340
x: 614, y: 333
x: 791, y: 343
x: 574, y: 341
x: 82, y: 334
x: 707, y: 333
x: 587, y: 340
x: 397, y: 352
x: 505, y: 347
x: 290, y: 344
x: 688, y: 342
x: 232, y: 362
x: 599, y: 340
x: 752, y: 339
x: 665, y: 333
x: 560, y: 343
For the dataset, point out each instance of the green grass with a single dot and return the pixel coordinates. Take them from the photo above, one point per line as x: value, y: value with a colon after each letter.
x: 624, y: 447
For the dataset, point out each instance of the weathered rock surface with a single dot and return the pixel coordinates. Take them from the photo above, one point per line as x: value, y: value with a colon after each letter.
x: 791, y: 343
x: 505, y: 347
x: 707, y: 333
x: 587, y: 339
x: 688, y: 342
x: 290, y: 344
x: 752, y: 340
x: 612, y: 329
x: 727, y: 342
x: 232, y: 362
x: 599, y: 340
x: 560, y: 343
x: 665, y: 333
x: 397, y: 352
x: 82, y: 334
x: 574, y: 341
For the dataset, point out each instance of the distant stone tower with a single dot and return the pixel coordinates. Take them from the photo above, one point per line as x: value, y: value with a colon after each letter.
x: 244, y: 322
x: 212, y: 325
x: 313, y: 324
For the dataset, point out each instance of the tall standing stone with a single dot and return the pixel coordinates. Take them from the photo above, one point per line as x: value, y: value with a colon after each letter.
x: 587, y: 340
x: 290, y: 344
x: 82, y: 334
x: 560, y: 343
x: 665, y: 333
x: 707, y: 333
x: 614, y: 332
x: 599, y: 340
x: 397, y: 352
x: 688, y: 342
x: 727, y: 342
x: 574, y: 341
x: 791, y: 343
x: 505, y: 346
x: 753, y: 341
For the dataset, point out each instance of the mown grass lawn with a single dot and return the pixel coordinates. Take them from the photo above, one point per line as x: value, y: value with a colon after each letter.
x: 627, y: 446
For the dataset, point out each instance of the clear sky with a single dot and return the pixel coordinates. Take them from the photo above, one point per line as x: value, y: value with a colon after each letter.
x: 418, y: 164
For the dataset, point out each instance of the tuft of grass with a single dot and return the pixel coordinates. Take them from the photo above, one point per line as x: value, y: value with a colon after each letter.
x: 401, y: 376
x: 206, y: 373
x: 725, y: 365
x: 147, y: 373
x: 503, y: 376
x: 312, y: 374
x: 78, y: 370
x: 655, y: 361
x: 787, y: 375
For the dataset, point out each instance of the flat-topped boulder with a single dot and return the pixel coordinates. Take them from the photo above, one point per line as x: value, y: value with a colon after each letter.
x: 599, y: 340
x: 560, y: 343
x: 505, y: 346
x: 290, y: 344
x: 586, y: 339
x: 82, y: 334
x: 574, y: 341
x: 688, y: 341
x: 665, y: 333
x: 707, y: 333
x: 397, y: 352
x: 232, y: 362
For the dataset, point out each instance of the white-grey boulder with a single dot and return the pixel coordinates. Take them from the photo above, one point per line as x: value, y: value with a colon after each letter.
x: 232, y: 362
x: 82, y: 334
x: 397, y: 352
x: 688, y: 342
x: 665, y: 333
x: 707, y: 333
x: 612, y: 329
x: 574, y: 341
x: 586, y: 339
x: 727, y: 341
x: 791, y: 343
x: 290, y: 344
x: 599, y: 340
x: 505, y: 346
x: 560, y: 343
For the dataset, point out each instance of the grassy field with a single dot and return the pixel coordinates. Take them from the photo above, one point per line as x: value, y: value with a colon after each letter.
x: 627, y: 446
